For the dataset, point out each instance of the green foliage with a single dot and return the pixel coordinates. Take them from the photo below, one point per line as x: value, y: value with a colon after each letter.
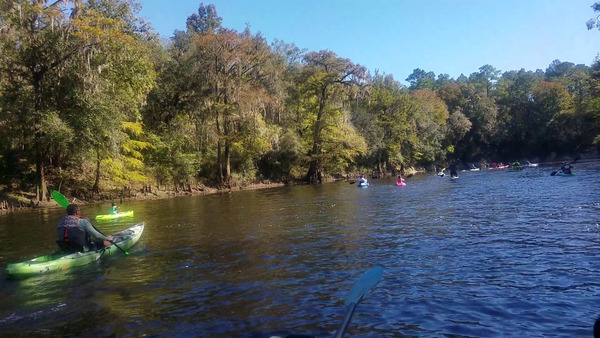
x: 89, y: 98
x: 594, y: 22
x: 458, y: 126
x: 57, y: 135
x: 341, y: 144
x: 79, y: 77
x: 420, y: 79
x: 206, y: 20
x: 128, y: 166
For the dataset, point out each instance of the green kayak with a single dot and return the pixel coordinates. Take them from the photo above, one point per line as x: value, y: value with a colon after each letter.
x: 62, y: 261
x: 117, y: 215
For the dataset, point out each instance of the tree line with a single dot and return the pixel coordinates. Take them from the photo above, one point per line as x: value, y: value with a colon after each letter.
x: 91, y: 100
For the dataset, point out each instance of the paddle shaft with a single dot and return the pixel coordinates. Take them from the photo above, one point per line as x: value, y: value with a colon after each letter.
x: 365, y: 283
x: 347, y: 318
x: 110, y: 241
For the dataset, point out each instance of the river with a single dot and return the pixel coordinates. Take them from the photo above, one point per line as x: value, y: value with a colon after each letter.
x: 493, y: 253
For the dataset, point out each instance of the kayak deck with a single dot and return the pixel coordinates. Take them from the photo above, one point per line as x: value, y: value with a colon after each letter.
x: 62, y: 261
x: 118, y: 214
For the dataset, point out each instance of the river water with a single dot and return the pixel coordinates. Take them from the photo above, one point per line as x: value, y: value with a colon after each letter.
x: 493, y: 253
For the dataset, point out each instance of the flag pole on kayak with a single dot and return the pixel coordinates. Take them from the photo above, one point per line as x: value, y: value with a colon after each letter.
x: 64, y: 202
x: 365, y: 283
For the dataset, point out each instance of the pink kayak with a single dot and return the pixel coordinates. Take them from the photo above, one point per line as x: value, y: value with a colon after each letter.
x: 400, y: 184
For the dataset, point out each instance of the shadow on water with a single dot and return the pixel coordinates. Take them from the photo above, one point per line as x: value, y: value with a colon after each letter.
x: 492, y: 253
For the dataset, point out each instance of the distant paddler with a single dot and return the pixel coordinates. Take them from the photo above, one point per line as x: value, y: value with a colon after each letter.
x: 453, y: 172
x: 113, y: 208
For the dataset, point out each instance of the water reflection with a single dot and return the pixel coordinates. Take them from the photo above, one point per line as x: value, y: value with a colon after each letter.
x: 492, y: 253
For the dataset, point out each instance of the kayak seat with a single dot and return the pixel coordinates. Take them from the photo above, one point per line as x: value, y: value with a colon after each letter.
x: 70, y: 246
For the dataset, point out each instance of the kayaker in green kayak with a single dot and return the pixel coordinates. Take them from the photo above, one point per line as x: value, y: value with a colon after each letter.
x: 75, y: 233
x: 113, y: 208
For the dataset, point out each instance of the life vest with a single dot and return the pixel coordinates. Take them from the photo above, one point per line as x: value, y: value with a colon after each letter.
x: 69, y: 231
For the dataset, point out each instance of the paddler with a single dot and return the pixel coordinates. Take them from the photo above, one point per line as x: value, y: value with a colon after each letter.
x: 113, y: 208
x: 566, y: 168
x: 453, y: 172
x: 75, y: 233
x: 362, y: 180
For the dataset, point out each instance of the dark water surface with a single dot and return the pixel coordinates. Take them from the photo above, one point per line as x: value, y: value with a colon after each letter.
x: 494, y: 253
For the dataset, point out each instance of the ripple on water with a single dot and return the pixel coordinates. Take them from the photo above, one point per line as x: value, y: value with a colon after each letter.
x: 494, y: 253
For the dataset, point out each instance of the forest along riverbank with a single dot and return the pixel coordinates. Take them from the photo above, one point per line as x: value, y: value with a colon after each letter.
x: 19, y: 200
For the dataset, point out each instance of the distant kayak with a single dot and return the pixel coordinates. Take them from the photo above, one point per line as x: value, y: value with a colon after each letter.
x: 531, y: 165
x: 63, y: 260
x: 560, y: 173
x: 117, y: 215
x: 363, y: 185
x: 454, y: 177
x: 400, y: 184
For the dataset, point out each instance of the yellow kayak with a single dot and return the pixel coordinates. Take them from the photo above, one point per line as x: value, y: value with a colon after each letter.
x: 117, y: 215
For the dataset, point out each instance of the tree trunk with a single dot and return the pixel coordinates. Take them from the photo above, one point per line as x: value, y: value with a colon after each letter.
x: 379, y: 164
x: 219, y: 157
x: 96, y: 187
x: 314, y: 166
x: 227, y: 174
x: 41, y: 180
x: 39, y: 162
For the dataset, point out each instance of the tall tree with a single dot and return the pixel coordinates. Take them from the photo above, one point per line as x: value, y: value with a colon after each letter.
x: 486, y: 78
x: 420, y: 79
x: 37, y: 41
x: 236, y: 69
x: 427, y: 120
x: 69, y: 62
x: 390, y: 106
x: 205, y: 21
x: 550, y: 99
x: 329, y: 79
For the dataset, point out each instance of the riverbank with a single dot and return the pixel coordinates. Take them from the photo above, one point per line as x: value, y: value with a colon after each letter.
x: 22, y: 200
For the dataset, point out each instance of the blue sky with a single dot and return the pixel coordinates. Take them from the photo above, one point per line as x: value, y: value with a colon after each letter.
x: 397, y: 36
